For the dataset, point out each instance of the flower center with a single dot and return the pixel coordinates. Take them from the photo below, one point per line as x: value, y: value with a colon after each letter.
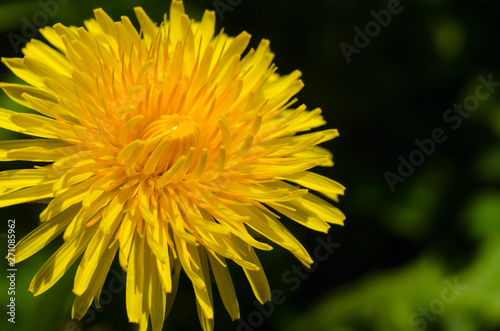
x: 170, y: 137
x: 175, y: 127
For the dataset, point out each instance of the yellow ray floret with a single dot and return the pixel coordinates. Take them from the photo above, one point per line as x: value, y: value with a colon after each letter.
x: 168, y: 146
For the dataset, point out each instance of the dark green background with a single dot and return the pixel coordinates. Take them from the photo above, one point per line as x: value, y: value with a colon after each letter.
x: 398, y: 249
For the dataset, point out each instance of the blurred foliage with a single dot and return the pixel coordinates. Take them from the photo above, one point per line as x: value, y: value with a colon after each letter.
x: 397, y: 249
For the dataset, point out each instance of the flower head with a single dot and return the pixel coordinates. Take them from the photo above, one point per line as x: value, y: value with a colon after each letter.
x: 170, y: 148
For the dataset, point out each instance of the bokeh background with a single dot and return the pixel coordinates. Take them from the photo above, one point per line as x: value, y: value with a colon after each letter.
x: 425, y: 256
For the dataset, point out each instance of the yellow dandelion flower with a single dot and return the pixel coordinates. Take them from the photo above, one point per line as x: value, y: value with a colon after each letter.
x: 170, y: 147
